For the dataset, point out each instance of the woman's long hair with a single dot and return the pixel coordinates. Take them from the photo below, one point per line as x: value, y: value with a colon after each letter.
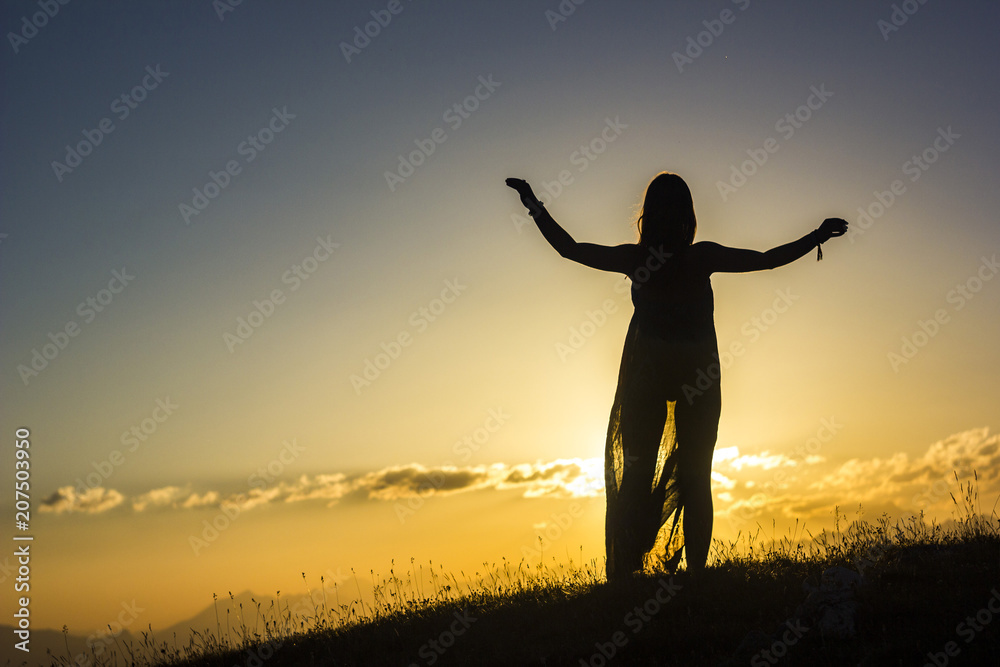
x: 667, y: 216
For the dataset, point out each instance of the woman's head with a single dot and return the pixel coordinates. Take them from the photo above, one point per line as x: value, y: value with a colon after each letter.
x: 667, y: 216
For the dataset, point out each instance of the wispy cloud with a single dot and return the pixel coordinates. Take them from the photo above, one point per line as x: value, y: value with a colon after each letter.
x: 562, y: 478
x: 91, y: 501
x: 898, y: 485
x: 747, y: 486
x: 173, y: 496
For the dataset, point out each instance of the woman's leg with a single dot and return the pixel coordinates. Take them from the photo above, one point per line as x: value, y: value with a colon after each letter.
x: 633, y: 446
x: 697, y: 430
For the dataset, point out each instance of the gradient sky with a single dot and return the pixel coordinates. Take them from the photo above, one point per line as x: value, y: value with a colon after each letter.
x: 482, y: 425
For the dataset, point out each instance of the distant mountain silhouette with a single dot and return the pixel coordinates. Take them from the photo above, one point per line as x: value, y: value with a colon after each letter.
x: 203, y: 622
x: 52, y: 640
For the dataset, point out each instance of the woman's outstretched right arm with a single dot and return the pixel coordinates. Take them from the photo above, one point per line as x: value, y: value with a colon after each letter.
x: 721, y: 259
x: 619, y: 259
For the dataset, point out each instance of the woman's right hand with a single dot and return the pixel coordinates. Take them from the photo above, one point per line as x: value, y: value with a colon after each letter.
x: 832, y: 227
x: 520, y: 185
x: 522, y: 188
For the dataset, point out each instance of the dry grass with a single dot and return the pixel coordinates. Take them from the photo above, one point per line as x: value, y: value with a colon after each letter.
x: 920, y: 580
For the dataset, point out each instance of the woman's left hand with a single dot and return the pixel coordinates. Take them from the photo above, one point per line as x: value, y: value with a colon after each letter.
x: 832, y: 227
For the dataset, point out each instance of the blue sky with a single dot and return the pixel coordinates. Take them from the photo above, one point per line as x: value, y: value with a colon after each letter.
x: 598, y: 98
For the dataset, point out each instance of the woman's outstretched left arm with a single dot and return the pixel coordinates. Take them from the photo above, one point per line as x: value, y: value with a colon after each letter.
x: 719, y: 258
x: 619, y: 259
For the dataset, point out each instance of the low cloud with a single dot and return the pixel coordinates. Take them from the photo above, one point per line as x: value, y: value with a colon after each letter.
x: 173, y: 496
x: 416, y: 480
x: 899, y: 485
x: 563, y: 478
x: 747, y: 487
x: 91, y: 501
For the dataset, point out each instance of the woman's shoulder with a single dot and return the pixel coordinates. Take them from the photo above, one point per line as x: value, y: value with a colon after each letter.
x: 699, y: 257
x: 705, y: 247
x: 694, y: 259
x: 706, y: 251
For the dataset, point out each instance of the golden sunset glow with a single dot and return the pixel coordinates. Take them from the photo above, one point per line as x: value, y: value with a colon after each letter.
x: 285, y: 317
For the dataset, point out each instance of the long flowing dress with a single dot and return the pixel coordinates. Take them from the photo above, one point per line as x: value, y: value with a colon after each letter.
x: 664, y: 419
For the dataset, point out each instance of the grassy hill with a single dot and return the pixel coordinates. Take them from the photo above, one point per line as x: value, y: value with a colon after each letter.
x: 873, y: 594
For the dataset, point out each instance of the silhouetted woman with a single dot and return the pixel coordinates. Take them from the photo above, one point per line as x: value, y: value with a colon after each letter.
x: 665, y: 416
